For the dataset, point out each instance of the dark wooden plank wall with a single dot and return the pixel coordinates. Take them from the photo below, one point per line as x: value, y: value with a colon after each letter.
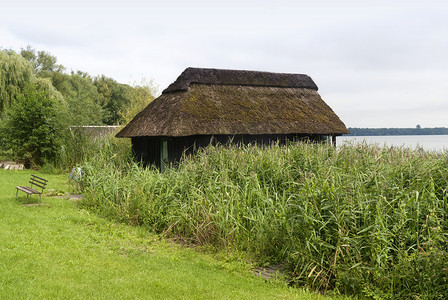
x: 148, y: 149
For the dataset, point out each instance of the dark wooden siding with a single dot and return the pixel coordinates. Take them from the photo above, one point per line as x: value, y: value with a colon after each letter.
x: 148, y: 149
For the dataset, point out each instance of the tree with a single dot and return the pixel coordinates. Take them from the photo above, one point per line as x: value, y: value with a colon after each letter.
x: 15, y: 74
x: 114, y: 97
x: 141, y: 95
x: 43, y: 62
x: 82, y: 100
x: 32, y: 128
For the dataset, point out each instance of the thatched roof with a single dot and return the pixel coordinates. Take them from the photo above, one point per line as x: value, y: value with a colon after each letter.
x: 243, y: 78
x: 228, y: 102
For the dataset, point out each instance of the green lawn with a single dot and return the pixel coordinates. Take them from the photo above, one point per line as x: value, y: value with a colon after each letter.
x: 57, y: 251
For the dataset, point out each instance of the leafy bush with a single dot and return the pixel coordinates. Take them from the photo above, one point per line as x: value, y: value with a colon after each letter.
x: 32, y: 128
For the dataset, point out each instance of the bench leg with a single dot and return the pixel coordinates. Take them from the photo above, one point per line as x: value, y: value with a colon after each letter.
x: 17, y: 191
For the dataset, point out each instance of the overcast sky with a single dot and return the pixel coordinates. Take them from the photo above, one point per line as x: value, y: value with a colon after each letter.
x: 377, y: 63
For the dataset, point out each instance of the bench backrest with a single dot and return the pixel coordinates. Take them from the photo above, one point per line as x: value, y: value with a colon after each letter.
x: 39, y: 182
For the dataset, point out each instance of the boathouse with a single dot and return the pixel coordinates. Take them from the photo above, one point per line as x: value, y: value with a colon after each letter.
x: 222, y: 106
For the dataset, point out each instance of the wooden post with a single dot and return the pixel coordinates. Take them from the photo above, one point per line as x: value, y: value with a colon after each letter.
x: 333, y: 140
x: 163, y: 154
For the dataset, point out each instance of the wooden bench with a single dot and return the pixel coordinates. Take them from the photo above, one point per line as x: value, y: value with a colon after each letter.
x: 34, y: 181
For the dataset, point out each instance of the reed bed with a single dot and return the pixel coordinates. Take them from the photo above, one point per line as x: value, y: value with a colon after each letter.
x: 359, y: 219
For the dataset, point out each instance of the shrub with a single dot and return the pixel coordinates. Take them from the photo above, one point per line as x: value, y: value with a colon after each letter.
x: 32, y: 128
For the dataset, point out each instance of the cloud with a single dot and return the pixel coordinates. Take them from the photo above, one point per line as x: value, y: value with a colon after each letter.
x: 370, y: 59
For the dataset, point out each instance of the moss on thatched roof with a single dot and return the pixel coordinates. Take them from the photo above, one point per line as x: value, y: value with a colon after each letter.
x: 235, y: 77
x: 218, y: 105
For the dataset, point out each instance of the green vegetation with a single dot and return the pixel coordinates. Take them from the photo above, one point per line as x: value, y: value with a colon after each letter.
x: 57, y: 251
x: 30, y: 128
x: 36, y: 92
x: 358, y: 219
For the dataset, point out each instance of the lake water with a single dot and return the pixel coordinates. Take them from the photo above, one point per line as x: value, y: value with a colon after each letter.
x: 427, y: 142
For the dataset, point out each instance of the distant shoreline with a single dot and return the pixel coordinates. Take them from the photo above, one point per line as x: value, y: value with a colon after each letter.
x: 396, y: 131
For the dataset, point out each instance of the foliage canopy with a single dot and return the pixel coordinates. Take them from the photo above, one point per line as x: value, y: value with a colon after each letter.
x: 15, y: 74
x: 39, y: 101
x: 32, y: 127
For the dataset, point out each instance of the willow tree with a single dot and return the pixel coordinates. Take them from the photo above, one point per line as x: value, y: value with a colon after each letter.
x: 33, y: 113
x: 15, y: 74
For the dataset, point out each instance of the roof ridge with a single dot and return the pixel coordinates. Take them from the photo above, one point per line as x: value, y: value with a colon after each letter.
x: 239, y: 77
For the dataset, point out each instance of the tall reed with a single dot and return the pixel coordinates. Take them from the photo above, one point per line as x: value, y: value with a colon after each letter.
x: 358, y: 219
